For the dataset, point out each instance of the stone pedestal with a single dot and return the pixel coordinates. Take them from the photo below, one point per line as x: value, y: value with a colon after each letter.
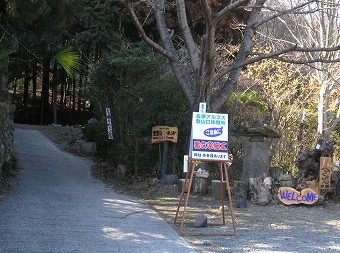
x: 200, y: 184
x: 256, y: 159
x: 256, y: 165
x: 240, y: 192
x: 216, y: 189
x: 181, y: 185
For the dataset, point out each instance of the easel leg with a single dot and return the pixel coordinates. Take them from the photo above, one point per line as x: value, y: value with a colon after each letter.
x: 187, y: 198
x: 222, y: 193
x: 182, y: 194
x: 189, y: 176
x: 230, y: 199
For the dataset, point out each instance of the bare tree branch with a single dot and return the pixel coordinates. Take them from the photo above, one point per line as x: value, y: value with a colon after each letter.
x: 142, y: 32
x: 282, y: 13
x: 230, y: 7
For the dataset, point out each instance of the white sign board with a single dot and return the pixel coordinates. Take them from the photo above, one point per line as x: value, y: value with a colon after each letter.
x: 203, y: 107
x: 185, y: 163
x: 209, y: 139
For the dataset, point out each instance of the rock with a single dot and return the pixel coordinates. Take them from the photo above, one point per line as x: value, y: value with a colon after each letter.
x: 240, y: 191
x: 181, y: 185
x: 200, y: 185
x: 201, y: 221
x: 120, y: 172
x: 259, y: 189
x: 216, y: 189
x: 92, y: 120
x: 153, y: 181
x: 170, y: 179
x: 286, y: 183
x: 6, y: 133
x: 241, y: 204
x: 226, y: 208
x: 206, y: 243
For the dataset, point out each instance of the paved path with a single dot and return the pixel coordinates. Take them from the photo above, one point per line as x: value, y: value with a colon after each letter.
x: 57, y: 206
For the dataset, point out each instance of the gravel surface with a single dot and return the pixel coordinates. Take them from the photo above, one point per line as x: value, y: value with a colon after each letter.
x: 271, y: 228
x: 278, y: 228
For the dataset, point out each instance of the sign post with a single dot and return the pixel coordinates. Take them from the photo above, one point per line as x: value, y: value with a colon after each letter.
x: 325, y: 173
x: 109, y: 123
x: 164, y: 134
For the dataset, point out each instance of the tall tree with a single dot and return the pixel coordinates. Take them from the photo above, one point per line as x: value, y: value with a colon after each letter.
x: 42, y: 30
x: 320, y: 28
x: 194, y: 61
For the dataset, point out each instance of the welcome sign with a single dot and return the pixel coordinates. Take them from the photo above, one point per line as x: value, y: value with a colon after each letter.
x: 209, y: 140
x: 290, y: 196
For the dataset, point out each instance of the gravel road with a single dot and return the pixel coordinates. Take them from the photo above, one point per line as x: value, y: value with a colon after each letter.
x: 56, y: 206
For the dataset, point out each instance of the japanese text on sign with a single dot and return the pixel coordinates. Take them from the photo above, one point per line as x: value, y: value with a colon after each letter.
x: 109, y: 123
x: 164, y: 133
x: 209, y: 139
x: 325, y: 172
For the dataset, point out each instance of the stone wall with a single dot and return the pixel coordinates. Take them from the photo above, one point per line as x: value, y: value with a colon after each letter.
x: 6, y: 131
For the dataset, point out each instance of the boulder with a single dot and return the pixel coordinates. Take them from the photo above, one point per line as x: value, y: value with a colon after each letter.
x: 170, y: 179
x: 201, y: 221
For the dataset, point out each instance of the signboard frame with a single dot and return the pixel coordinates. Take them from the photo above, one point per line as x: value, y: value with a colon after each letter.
x: 209, y: 137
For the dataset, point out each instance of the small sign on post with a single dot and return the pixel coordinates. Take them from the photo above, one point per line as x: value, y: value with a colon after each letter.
x: 203, y: 107
x: 109, y: 123
x: 185, y: 163
x: 164, y: 133
x: 325, y: 173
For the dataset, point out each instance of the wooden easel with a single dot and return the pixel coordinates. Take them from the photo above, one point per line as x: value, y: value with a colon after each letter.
x: 223, y: 175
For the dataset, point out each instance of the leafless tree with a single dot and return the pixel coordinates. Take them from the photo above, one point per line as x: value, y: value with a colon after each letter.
x: 195, y: 64
x: 315, y: 26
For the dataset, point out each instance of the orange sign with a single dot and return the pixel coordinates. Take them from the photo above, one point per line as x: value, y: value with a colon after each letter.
x: 164, y: 133
x: 290, y: 196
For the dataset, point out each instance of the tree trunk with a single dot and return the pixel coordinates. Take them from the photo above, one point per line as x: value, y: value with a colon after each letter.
x: 73, y: 95
x: 45, y: 91
x: 308, y: 161
x: 67, y: 93
x: 4, y: 77
x: 15, y: 87
x: 55, y: 92
x: 34, y: 95
x: 80, y: 94
x: 26, y: 87
x: 62, y: 93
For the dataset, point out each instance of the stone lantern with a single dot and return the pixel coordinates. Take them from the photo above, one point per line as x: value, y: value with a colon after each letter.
x: 255, y: 172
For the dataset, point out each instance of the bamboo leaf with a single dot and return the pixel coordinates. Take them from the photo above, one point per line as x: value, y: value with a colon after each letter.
x: 70, y: 61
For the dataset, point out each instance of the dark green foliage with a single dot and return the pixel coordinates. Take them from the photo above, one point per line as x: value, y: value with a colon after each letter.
x: 92, y: 130
x: 5, y: 172
x: 7, y: 166
x: 134, y: 84
x: 248, y: 110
